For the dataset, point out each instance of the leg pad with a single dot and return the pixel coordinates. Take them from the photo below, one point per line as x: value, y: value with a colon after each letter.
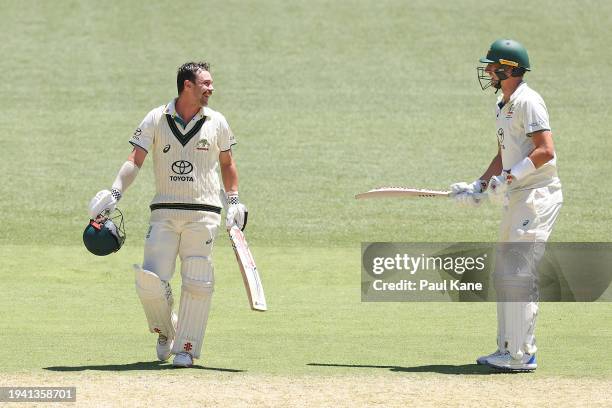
x: 156, y: 298
x: 197, y: 289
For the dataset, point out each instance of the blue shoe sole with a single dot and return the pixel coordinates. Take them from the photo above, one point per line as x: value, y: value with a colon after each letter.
x: 513, y: 370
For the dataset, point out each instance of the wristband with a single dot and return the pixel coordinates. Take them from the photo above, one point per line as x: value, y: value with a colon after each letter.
x: 232, y: 198
x: 522, y: 169
x: 116, y: 194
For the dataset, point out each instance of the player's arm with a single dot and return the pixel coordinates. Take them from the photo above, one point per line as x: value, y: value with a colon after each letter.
x: 544, y: 150
x: 471, y: 194
x: 105, y: 200
x: 461, y: 190
x: 494, y: 168
x: 128, y: 171
x: 237, y: 213
x: 137, y: 156
x: 537, y: 128
x: 142, y: 138
x: 229, y: 173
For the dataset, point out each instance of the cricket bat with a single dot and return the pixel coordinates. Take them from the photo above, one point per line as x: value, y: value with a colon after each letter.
x: 250, y: 276
x: 402, y: 192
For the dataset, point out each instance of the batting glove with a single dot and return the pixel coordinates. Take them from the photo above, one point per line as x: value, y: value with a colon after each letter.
x: 498, y: 187
x: 237, y: 213
x: 469, y: 199
x: 469, y: 195
x: 477, y: 186
x: 103, y: 203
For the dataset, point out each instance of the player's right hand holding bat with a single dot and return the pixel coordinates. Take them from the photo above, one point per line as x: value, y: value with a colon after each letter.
x: 498, y: 187
x: 237, y: 212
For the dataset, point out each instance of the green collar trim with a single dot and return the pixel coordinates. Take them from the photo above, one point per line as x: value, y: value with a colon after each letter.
x: 184, y: 138
x: 180, y: 121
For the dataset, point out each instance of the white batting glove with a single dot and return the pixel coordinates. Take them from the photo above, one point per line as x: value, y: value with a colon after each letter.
x: 104, y: 202
x: 469, y: 195
x: 469, y: 199
x: 477, y: 186
x: 498, y: 187
x: 237, y: 213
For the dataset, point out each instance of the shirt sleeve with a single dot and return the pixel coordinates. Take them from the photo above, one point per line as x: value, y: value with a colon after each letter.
x: 143, y: 135
x: 226, y: 138
x: 535, y: 116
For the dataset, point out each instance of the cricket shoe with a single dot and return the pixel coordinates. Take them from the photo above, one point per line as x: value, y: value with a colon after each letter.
x: 182, y: 359
x: 506, y: 362
x: 164, y: 344
x: 483, y: 359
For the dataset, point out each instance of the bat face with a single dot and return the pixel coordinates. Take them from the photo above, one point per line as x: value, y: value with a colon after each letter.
x: 403, y: 192
x: 248, y: 269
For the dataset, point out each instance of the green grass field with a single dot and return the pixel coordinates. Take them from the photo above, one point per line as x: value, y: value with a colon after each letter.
x: 327, y: 99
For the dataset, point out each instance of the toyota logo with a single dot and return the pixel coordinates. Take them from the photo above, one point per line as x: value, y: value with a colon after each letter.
x: 182, y: 167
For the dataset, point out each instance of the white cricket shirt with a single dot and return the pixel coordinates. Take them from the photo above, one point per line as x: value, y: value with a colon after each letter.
x: 524, y: 114
x: 186, y: 159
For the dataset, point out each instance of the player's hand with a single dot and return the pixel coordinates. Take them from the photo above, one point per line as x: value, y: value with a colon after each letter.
x: 236, y: 212
x: 103, y: 202
x: 469, y: 199
x: 498, y: 187
x: 237, y: 215
x: 469, y: 194
x: 477, y: 186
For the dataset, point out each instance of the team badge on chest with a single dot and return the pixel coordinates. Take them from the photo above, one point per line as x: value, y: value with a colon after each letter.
x: 203, y: 145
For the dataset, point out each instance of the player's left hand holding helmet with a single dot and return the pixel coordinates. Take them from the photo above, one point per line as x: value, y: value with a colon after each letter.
x: 105, y: 233
x: 103, y: 201
x: 237, y: 212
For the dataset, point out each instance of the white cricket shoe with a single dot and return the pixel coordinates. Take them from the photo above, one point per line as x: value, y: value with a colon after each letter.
x: 164, y: 344
x: 506, y: 362
x: 483, y: 359
x: 182, y: 359
x: 164, y: 347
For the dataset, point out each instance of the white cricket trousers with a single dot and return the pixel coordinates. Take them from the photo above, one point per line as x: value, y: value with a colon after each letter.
x: 190, y: 235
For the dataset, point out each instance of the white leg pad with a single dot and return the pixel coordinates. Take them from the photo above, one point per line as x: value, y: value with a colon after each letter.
x: 517, y: 311
x: 516, y: 284
x: 520, y: 321
x: 196, y: 295
x: 156, y: 298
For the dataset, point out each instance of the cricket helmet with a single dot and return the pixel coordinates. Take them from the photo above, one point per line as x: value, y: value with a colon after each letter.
x: 105, y: 234
x: 508, y: 53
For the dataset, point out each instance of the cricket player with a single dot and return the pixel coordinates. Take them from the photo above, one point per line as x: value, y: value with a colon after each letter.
x: 188, y: 142
x: 522, y: 176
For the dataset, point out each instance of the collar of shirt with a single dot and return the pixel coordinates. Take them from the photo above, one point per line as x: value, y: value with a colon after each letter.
x: 519, y: 89
x: 171, y: 110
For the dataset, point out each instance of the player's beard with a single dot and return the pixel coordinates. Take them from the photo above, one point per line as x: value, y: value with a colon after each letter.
x: 204, y: 99
x: 495, y: 83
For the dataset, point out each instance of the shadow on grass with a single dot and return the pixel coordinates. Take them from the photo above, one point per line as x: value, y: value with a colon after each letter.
x: 463, y: 369
x: 139, y: 366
